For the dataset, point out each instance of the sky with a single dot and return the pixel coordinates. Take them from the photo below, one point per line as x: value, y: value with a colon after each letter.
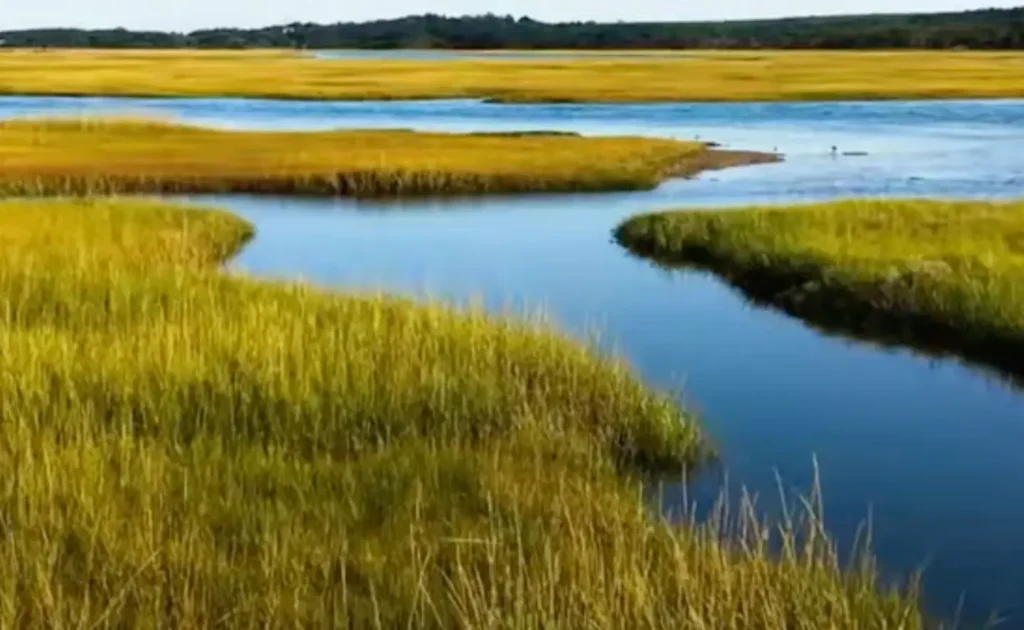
x: 182, y: 15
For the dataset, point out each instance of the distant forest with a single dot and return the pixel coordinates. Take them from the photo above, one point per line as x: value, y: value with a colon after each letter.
x: 985, y: 29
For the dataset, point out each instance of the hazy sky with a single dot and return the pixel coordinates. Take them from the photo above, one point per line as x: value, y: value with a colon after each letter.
x: 192, y: 14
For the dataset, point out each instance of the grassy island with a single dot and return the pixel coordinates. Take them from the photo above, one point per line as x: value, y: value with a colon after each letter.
x: 103, y: 156
x: 182, y: 447
x: 944, y: 276
x: 690, y: 76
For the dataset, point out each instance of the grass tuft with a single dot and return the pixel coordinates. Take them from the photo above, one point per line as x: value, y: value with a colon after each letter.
x: 942, y: 276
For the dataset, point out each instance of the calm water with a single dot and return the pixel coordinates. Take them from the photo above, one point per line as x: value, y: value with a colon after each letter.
x: 931, y: 448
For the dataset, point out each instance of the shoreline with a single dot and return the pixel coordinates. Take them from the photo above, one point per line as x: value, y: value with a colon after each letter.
x: 889, y: 311
x: 853, y: 314
x: 485, y: 100
x: 715, y: 159
x: 500, y: 100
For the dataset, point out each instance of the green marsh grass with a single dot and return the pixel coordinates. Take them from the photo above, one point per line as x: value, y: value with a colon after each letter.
x: 181, y: 447
x: 696, y: 76
x: 111, y: 156
x: 943, y: 276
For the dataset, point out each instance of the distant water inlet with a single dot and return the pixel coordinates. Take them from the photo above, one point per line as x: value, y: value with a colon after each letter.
x: 929, y: 447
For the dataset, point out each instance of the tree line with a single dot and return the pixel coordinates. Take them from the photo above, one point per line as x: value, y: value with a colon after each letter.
x: 983, y: 29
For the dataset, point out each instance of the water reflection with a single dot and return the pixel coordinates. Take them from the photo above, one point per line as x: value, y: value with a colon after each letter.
x: 1001, y: 359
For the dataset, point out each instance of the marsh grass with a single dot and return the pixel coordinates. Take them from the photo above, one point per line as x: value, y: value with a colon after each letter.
x: 110, y: 156
x: 700, y: 76
x: 945, y: 277
x: 184, y: 448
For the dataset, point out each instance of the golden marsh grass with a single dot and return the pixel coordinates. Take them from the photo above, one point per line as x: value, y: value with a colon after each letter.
x: 697, y: 76
x: 185, y: 448
x: 943, y: 275
x: 105, y: 156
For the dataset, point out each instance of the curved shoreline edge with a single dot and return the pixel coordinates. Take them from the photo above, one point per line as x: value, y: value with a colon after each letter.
x: 716, y: 159
x: 851, y: 313
x: 881, y: 310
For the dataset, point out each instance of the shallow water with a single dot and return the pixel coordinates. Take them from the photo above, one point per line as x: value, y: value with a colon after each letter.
x: 931, y: 448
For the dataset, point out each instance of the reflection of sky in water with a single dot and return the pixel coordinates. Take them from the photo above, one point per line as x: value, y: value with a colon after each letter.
x: 932, y: 447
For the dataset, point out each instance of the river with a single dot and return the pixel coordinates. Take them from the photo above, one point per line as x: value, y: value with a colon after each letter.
x: 931, y: 449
